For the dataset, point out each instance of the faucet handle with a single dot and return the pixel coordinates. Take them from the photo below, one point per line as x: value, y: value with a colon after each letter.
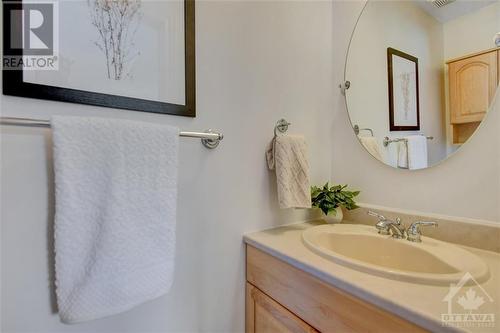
x: 381, y: 225
x: 413, y: 231
x: 377, y: 215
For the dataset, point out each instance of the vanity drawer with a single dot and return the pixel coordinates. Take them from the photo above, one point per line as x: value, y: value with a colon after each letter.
x: 324, y: 307
x: 265, y: 315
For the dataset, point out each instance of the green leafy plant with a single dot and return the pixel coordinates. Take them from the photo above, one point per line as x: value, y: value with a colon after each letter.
x: 329, y: 198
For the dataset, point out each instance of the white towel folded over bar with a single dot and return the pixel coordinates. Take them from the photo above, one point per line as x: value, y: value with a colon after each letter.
x: 116, y: 193
x: 413, y: 152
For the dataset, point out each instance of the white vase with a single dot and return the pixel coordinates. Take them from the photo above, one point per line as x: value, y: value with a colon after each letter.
x: 334, y: 217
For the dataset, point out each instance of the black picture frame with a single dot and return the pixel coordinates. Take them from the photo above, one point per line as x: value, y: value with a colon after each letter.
x: 13, y: 84
x: 390, y: 53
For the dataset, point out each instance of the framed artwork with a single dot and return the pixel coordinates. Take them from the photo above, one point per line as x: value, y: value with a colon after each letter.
x: 129, y: 54
x: 404, y: 113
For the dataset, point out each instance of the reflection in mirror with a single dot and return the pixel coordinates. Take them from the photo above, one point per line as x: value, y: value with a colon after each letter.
x: 422, y: 77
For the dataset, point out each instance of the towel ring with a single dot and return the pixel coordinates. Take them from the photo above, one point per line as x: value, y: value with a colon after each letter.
x: 357, y: 130
x: 281, y: 126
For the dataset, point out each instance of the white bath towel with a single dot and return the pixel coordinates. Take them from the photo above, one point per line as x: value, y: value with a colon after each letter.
x: 287, y: 154
x: 372, y: 146
x: 116, y: 192
x: 413, y: 152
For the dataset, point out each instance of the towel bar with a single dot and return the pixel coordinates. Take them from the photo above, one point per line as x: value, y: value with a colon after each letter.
x: 387, y: 140
x: 208, y: 138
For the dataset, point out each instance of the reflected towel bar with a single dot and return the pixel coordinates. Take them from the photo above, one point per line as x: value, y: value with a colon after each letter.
x: 208, y: 138
x: 387, y: 140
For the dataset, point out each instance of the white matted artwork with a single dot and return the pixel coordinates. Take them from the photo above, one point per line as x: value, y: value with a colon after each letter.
x: 404, y: 112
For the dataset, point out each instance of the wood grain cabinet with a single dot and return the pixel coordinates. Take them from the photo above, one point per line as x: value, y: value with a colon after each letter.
x: 281, y: 298
x: 265, y: 315
x: 472, y: 84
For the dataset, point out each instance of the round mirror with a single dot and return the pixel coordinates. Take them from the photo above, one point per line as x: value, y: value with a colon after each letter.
x: 421, y: 76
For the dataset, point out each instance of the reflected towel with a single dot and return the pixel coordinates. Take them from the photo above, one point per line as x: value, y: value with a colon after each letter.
x: 413, y: 152
x: 287, y: 154
x: 116, y: 193
x: 371, y: 144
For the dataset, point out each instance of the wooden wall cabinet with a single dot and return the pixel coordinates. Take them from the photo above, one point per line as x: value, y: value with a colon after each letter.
x: 473, y: 81
x: 282, y: 298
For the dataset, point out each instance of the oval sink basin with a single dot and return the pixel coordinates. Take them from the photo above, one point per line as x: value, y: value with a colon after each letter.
x: 362, y: 248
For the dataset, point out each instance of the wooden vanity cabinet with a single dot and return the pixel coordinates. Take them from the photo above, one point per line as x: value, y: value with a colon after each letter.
x: 282, y: 298
x: 263, y: 314
x: 472, y: 84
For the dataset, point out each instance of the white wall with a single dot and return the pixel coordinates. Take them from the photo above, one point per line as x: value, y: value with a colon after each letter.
x: 256, y: 62
x: 471, y: 33
x: 406, y: 27
x: 466, y: 184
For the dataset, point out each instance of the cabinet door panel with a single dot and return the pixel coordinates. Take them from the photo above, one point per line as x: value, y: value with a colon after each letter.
x: 473, y: 83
x: 265, y: 315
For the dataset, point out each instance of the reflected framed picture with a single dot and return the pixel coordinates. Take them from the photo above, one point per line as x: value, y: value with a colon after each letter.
x: 404, y: 112
x: 128, y: 54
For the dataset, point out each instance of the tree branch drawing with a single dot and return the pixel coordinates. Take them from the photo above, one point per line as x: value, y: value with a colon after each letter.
x: 116, y: 22
x: 405, y: 90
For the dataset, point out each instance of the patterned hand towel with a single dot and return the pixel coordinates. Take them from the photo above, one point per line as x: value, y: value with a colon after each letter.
x: 287, y: 154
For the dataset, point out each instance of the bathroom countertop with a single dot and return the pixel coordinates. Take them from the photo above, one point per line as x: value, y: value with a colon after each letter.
x: 419, y: 303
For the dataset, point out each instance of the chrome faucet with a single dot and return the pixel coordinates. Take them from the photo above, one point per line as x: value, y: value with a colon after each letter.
x: 413, y: 231
x: 395, y: 228
x: 385, y: 225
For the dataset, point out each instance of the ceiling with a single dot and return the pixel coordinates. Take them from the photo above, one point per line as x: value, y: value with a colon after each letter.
x: 454, y: 9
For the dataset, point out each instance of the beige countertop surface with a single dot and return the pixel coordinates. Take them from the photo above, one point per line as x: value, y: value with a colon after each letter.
x: 421, y: 304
